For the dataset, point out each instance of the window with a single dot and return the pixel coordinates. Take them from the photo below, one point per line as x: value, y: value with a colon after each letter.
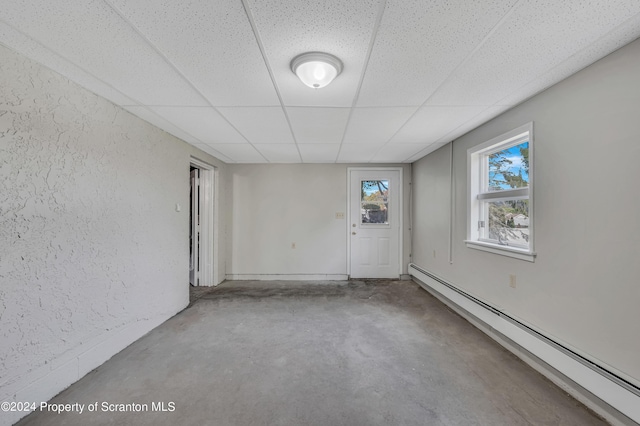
x: 500, y: 213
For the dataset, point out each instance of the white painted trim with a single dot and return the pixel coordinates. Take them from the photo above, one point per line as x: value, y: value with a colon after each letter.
x: 505, y: 194
x: 473, y: 191
x: 208, y: 222
x: 287, y: 277
x: 400, y: 171
x: 496, y: 323
x: 507, y: 137
x: 514, y: 252
x: 452, y: 202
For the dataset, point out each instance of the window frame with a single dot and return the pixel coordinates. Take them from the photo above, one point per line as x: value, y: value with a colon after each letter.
x: 477, y: 196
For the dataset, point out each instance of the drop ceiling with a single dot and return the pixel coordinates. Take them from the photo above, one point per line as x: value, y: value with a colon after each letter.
x: 417, y: 74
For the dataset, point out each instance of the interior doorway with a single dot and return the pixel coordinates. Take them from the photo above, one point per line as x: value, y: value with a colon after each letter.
x: 203, y: 220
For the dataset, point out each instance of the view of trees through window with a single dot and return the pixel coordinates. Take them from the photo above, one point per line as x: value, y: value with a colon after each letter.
x: 374, y: 201
x: 509, y: 219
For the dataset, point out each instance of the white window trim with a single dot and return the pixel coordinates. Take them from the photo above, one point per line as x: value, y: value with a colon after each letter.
x: 474, y: 188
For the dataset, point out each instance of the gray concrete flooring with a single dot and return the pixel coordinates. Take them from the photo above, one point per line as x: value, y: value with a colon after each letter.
x: 318, y: 353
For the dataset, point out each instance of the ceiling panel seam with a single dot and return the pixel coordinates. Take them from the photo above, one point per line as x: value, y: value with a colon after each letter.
x: 137, y: 103
x: 69, y: 62
x: 156, y: 49
x: 180, y: 73
x: 220, y: 156
x: 374, y: 35
x: 73, y: 64
x: 174, y: 125
x: 256, y: 34
x: 453, y: 72
x: 475, y: 49
x: 587, y: 47
x: 449, y: 139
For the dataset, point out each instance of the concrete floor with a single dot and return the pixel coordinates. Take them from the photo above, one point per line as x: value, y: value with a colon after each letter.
x: 318, y: 353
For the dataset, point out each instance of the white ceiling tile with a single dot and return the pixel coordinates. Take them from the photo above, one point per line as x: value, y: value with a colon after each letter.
x: 204, y: 123
x: 209, y: 150
x: 357, y: 153
x: 212, y: 43
x: 162, y: 54
x: 239, y: 152
x: 537, y: 37
x: 260, y: 124
x: 319, y: 153
x: 288, y: 28
x: 318, y: 125
x: 19, y: 42
x: 420, y: 43
x: 430, y: 123
x: 280, y: 153
x: 622, y: 35
x: 376, y: 125
x: 396, y: 153
x: 94, y: 37
x: 425, y: 151
x: 477, y: 120
x: 151, y: 117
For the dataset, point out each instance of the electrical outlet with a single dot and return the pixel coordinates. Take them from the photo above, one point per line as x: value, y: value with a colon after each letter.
x: 512, y: 281
x: 293, y: 245
x: 434, y: 253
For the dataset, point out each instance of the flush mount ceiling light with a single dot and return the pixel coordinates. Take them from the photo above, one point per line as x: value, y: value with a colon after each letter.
x: 316, y: 69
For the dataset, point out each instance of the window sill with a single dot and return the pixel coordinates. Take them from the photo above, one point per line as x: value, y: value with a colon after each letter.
x: 516, y: 253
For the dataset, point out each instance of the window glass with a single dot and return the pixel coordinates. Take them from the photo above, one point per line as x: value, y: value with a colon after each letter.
x: 507, y: 222
x: 508, y: 168
x: 374, y: 201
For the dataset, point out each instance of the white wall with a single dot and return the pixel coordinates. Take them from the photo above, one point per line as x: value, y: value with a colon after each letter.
x: 277, y: 205
x: 92, y: 251
x: 583, y: 288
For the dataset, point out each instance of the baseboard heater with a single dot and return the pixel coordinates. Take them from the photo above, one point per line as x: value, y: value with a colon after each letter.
x: 606, y: 385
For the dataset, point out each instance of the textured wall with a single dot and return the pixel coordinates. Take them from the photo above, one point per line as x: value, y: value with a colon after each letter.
x: 583, y: 287
x: 92, y: 251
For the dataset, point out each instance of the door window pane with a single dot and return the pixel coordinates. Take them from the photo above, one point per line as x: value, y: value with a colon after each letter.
x: 374, y: 201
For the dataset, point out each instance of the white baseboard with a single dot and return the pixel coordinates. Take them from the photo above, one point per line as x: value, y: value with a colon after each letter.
x: 44, y: 383
x: 287, y: 277
x: 614, y: 400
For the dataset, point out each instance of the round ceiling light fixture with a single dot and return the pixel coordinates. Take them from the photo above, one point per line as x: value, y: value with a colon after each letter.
x: 316, y: 69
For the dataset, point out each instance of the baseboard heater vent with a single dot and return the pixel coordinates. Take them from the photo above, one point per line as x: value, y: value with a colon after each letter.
x: 616, y: 391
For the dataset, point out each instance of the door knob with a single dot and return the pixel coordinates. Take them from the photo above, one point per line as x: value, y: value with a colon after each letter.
x: 353, y: 233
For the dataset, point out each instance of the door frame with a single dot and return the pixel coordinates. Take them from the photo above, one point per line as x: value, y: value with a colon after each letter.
x: 400, y: 171
x: 194, y: 231
x: 209, y: 202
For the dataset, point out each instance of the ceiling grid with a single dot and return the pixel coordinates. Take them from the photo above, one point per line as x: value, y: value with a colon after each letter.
x: 381, y: 8
x: 273, y: 80
x: 177, y: 70
x: 216, y: 73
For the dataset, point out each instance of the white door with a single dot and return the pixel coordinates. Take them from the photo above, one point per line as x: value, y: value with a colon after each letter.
x: 375, y: 218
x: 194, y: 232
